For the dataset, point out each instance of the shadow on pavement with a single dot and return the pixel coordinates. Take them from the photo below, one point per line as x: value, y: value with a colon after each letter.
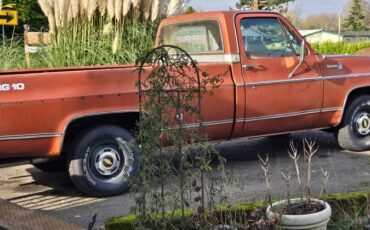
x: 249, y: 149
x: 50, y: 191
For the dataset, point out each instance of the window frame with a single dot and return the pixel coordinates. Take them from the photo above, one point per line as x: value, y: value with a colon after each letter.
x: 283, y: 27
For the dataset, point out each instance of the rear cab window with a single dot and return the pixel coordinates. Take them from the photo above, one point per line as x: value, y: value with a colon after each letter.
x: 195, y: 37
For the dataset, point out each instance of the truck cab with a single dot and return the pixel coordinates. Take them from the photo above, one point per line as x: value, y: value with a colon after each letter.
x: 262, y: 50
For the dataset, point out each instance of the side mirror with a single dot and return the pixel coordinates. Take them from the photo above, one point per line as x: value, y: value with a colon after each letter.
x: 302, y: 61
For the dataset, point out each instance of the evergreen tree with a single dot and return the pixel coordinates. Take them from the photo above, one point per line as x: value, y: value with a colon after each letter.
x: 275, y: 5
x: 190, y: 10
x: 356, y: 19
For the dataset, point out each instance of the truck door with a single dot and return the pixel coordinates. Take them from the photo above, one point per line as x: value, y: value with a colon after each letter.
x: 275, y: 101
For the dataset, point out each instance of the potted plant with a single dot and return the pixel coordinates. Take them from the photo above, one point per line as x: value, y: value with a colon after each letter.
x: 298, y: 213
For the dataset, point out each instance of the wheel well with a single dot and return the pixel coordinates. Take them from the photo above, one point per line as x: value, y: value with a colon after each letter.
x: 353, y: 95
x: 76, y: 127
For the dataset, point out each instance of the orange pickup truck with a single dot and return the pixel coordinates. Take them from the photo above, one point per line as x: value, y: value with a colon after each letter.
x: 275, y: 84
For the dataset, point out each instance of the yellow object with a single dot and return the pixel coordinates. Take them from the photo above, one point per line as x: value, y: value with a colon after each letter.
x: 9, y: 17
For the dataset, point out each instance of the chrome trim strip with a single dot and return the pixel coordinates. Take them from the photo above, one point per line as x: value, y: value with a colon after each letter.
x: 332, y: 66
x: 29, y: 136
x: 221, y: 122
x: 334, y: 109
x: 297, y: 80
x: 216, y: 58
x: 326, y: 56
x: 205, y: 124
x: 277, y: 116
x: 261, y: 118
x: 336, y: 77
x: 280, y: 82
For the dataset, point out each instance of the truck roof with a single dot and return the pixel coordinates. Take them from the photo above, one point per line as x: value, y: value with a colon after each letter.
x: 226, y: 20
x: 213, y: 14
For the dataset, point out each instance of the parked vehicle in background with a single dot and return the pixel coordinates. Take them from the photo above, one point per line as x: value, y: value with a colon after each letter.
x: 274, y: 84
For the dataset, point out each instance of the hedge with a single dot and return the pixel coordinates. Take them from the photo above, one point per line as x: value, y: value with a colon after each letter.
x: 350, y: 202
x: 339, y: 47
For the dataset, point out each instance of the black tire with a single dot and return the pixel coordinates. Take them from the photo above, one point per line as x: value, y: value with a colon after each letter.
x: 97, y: 165
x: 351, y: 134
x: 54, y: 165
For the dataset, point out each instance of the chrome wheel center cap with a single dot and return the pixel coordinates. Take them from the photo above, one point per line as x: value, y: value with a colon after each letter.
x: 107, y: 161
x: 363, y: 123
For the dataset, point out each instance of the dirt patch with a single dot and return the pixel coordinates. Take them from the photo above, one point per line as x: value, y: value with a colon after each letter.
x: 302, y: 208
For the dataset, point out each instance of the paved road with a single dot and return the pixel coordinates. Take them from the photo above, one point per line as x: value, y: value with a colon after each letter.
x: 55, y: 194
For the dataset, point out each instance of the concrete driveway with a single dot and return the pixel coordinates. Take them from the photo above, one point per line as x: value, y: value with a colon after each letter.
x: 54, y: 193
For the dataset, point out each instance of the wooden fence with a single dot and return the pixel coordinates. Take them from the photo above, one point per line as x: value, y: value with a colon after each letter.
x: 33, y: 42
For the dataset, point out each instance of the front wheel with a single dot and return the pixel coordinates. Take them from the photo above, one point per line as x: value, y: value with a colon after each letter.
x: 102, y: 161
x: 354, y: 133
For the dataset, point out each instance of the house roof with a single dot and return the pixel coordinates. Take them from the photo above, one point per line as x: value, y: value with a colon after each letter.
x: 307, y: 33
x: 356, y: 33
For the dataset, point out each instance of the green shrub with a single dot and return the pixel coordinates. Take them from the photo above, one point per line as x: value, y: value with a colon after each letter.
x: 339, y: 47
x: 12, y: 55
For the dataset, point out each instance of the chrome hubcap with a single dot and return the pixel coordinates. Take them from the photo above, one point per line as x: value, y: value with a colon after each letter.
x: 107, y: 161
x: 362, y: 122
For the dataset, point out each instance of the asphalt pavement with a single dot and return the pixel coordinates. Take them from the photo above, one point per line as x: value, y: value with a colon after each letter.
x: 54, y: 193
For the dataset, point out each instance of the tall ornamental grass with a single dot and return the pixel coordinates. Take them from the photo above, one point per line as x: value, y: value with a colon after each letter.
x: 87, y: 44
x: 12, y: 55
x: 340, y: 47
x: 101, y: 32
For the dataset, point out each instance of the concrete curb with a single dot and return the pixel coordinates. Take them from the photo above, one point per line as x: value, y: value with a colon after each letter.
x: 15, y: 217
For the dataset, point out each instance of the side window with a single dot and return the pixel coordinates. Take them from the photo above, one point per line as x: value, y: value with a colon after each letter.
x: 294, y: 40
x: 265, y: 37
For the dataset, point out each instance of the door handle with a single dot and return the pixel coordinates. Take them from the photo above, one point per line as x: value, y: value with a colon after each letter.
x: 252, y: 66
x: 338, y: 66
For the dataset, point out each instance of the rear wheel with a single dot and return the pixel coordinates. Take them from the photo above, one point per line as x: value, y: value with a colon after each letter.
x: 354, y: 133
x: 102, y: 161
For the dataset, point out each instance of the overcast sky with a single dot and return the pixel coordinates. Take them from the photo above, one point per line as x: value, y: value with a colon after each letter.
x: 305, y: 6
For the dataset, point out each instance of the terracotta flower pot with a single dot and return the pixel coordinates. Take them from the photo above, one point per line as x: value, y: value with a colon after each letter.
x: 314, y: 221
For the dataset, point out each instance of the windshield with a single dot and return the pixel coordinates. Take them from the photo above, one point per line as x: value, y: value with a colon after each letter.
x: 194, y: 37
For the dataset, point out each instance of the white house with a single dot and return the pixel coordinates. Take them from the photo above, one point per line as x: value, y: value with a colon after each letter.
x: 320, y: 36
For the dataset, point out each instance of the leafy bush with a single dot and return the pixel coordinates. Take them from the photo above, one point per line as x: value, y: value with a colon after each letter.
x: 339, y: 47
x: 171, y: 95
